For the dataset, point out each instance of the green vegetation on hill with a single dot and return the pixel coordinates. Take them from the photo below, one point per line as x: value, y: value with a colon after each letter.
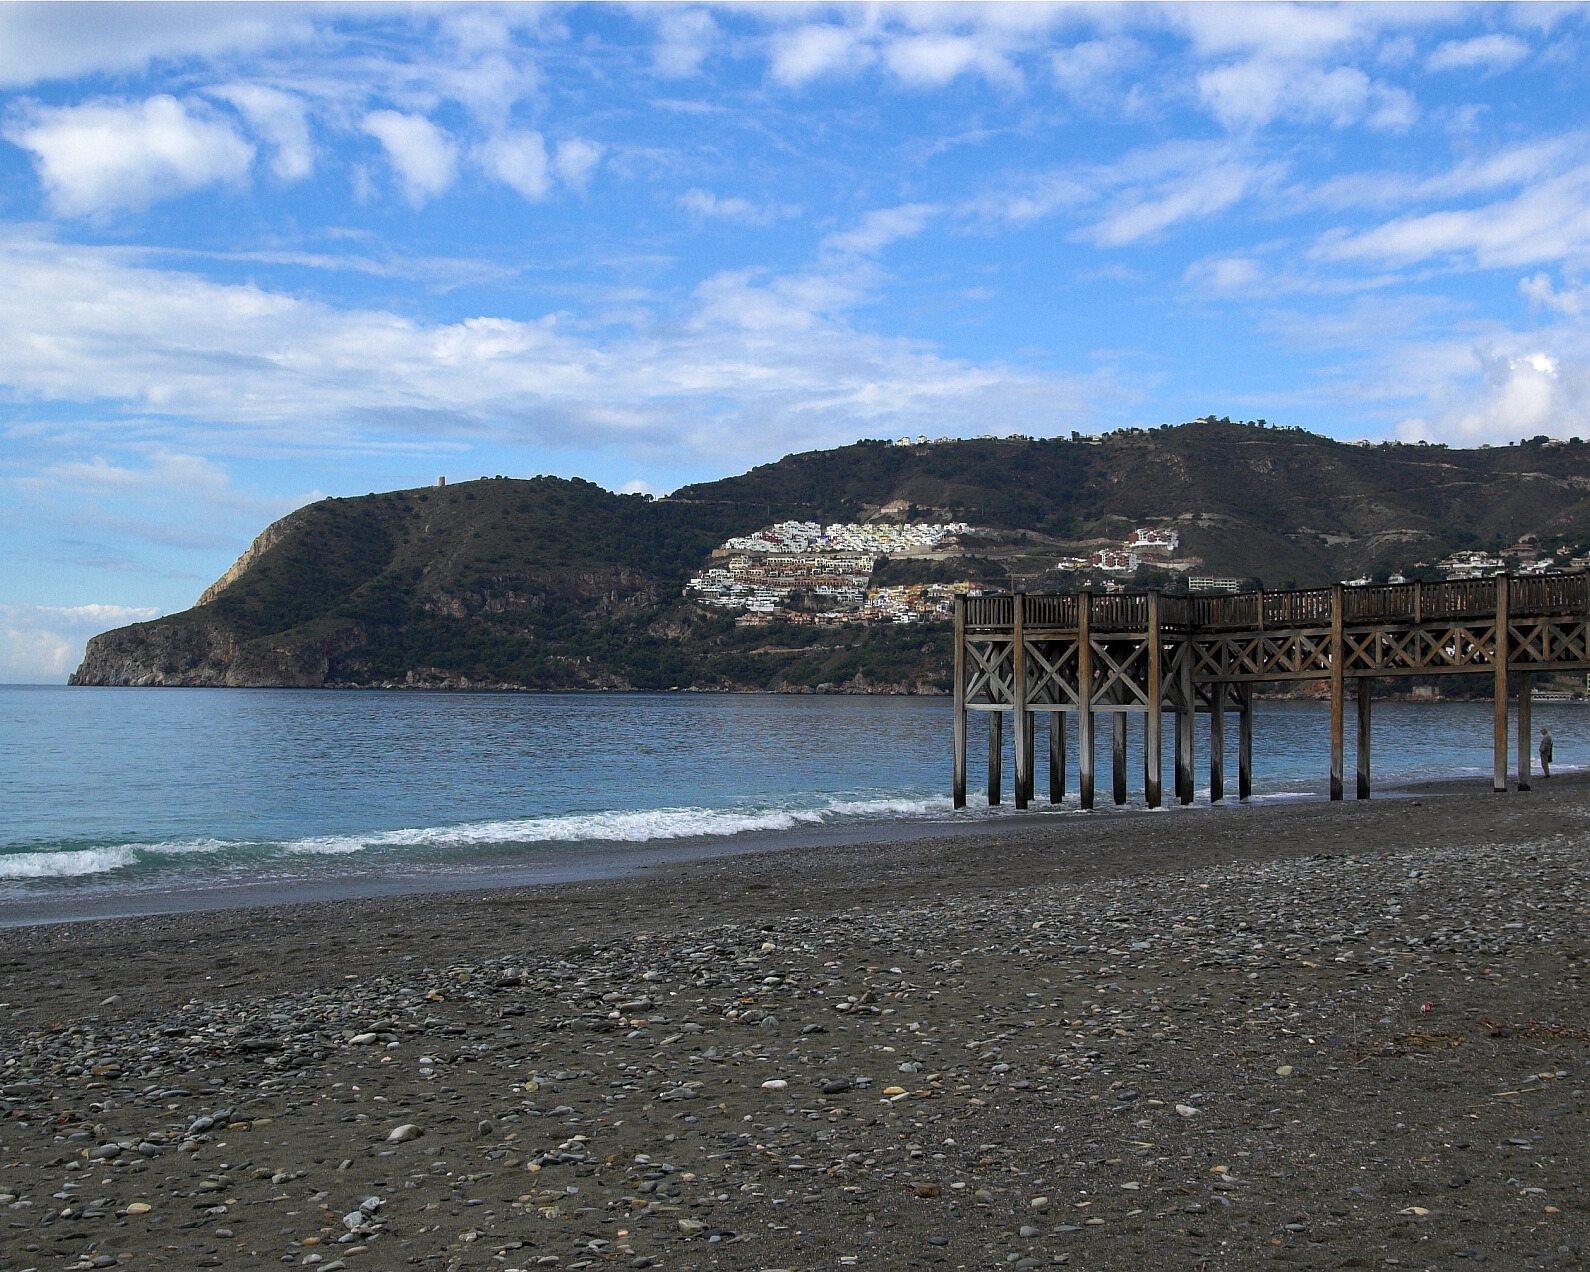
x: 552, y: 584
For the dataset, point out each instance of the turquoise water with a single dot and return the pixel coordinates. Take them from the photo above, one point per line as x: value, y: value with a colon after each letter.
x: 107, y: 791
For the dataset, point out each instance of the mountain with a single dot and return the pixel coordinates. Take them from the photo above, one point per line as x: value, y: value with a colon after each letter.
x: 557, y: 584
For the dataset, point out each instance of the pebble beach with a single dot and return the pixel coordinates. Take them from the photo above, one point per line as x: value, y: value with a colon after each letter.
x: 1308, y: 1035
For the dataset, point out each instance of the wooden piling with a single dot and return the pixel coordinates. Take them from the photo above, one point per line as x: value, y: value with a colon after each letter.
x: 1154, y: 720
x: 996, y: 753
x: 1018, y: 720
x: 1217, y: 743
x: 959, y: 762
x: 1057, y: 757
x: 1499, y: 691
x: 1186, y: 719
x: 1338, y: 689
x: 1526, y: 687
x: 1118, y: 756
x: 1085, y: 698
x: 1365, y: 688
x: 1245, y: 743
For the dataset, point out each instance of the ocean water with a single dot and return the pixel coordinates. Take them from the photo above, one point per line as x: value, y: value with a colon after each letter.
x: 117, y: 800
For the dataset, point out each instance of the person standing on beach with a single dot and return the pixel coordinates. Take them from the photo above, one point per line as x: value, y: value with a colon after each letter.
x: 1545, y: 751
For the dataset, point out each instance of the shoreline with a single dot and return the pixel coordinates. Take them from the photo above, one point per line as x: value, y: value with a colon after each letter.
x: 591, y: 861
x: 1309, y: 1031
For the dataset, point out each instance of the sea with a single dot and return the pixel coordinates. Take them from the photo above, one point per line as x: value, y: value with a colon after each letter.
x: 128, y: 801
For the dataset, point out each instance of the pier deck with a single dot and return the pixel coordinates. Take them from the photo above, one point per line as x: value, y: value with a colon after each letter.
x: 1084, y: 655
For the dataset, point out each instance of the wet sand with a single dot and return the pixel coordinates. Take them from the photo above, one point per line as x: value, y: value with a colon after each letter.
x: 1326, y: 1036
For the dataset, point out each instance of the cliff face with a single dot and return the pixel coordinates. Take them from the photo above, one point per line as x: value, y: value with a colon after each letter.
x: 553, y: 584
x: 209, y: 655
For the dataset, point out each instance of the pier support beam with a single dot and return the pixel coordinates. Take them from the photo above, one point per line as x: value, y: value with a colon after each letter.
x: 959, y: 762
x: 1499, y: 692
x: 1057, y: 757
x: 1526, y: 688
x: 1020, y: 725
x: 1365, y: 687
x: 996, y: 753
x: 1118, y: 757
x: 1338, y: 692
x: 1186, y: 718
x: 1245, y: 744
x: 1153, y: 722
x: 1085, y: 698
x: 1217, y: 743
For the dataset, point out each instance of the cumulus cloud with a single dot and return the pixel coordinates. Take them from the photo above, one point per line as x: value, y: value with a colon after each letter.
x: 1571, y: 301
x: 519, y: 160
x: 1495, y: 52
x: 1254, y: 93
x: 935, y: 59
x: 43, y: 644
x: 810, y: 52
x: 280, y: 119
x: 115, y: 154
x: 1504, y: 395
x: 687, y: 36
x: 879, y: 228
x: 422, y: 154
x: 576, y: 161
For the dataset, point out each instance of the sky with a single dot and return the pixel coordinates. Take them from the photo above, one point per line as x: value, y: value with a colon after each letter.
x: 253, y: 256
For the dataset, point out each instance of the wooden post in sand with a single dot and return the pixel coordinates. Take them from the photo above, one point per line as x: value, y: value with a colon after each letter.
x: 1526, y: 687
x: 1057, y: 757
x: 996, y: 753
x: 1338, y: 692
x: 959, y: 763
x: 1245, y: 744
x: 1021, y: 735
x: 1365, y: 687
x: 1118, y: 756
x: 1154, y: 720
x: 1085, y: 698
x: 1499, y: 692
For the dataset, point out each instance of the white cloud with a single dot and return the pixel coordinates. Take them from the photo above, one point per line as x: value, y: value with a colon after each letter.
x: 279, y: 118
x: 1494, y: 52
x: 747, y: 365
x: 1547, y: 222
x: 1571, y: 301
x: 576, y: 161
x: 1168, y: 185
x: 687, y: 36
x: 1254, y: 93
x: 41, y: 42
x: 809, y: 52
x: 711, y: 207
x: 423, y: 155
x: 1505, y: 396
x: 1081, y: 69
x: 879, y: 228
x: 107, y: 155
x: 43, y: 644
x: 519, y: 160
x: 934, y: 60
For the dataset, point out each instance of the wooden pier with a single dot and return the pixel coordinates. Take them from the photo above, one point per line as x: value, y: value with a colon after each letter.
x: 1084, y: 655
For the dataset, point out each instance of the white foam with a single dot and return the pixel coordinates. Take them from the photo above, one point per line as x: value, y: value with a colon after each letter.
x: 65, y: 865
x: 616, y: 826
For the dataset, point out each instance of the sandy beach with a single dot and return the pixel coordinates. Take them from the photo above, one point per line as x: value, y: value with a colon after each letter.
x: 1323, y: 1036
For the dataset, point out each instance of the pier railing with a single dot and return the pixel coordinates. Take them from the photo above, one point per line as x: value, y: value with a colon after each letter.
x: 1268, y: 611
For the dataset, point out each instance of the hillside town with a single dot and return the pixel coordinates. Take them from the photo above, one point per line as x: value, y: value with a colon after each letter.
x: 810, y: 573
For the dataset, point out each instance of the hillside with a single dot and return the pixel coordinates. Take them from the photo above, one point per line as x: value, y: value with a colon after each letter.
x: 555, y: 584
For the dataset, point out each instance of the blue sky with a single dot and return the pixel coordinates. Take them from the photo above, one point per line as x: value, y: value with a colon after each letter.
x: 254, y: 255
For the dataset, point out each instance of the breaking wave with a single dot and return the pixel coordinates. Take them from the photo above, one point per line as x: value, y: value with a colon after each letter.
x: 636, y: 826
